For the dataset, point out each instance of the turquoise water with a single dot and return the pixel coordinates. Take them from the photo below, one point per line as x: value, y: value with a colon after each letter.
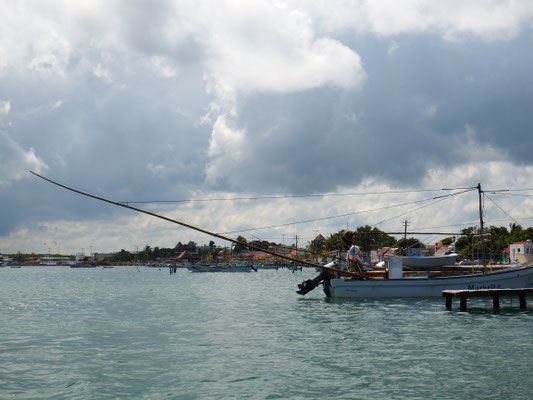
x: 122, y: 333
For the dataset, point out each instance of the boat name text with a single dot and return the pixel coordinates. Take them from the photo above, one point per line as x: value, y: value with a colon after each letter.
x: 478, y: 287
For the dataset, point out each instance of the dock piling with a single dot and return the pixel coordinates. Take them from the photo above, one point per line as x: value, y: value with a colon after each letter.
x: 464, y: 295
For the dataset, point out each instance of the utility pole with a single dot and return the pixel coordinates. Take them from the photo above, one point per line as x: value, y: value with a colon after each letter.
x: 405, y: 223
x: 481, y: 229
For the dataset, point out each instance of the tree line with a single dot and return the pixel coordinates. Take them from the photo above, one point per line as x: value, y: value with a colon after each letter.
x: 467, y: 244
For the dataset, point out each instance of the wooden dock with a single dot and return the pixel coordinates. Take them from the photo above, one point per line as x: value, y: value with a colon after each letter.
x: 463, y: 296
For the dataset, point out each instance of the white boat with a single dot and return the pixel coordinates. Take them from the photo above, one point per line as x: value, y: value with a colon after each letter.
x: 429, y: 261
x: 520, y: 276
x: 219, y: 268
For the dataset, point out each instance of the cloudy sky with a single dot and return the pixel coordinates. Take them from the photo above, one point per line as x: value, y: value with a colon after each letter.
x: 377, y: 105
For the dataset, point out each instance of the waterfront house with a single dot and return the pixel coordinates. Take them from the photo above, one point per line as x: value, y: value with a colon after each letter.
x: 520, y: 248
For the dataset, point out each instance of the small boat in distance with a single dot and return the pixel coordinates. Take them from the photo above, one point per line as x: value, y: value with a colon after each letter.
x: 220, y: 268
x: 267, y: 266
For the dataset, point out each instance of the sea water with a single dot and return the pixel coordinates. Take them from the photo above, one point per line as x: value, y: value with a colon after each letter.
x: 142, y: 333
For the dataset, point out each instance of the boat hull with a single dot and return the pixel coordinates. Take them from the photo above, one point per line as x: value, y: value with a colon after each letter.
x: 511, y: 278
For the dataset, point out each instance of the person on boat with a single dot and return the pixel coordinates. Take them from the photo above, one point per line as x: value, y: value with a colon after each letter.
x: 353, y: 259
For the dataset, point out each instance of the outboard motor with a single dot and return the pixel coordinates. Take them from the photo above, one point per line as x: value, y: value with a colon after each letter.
x: 308, y: 285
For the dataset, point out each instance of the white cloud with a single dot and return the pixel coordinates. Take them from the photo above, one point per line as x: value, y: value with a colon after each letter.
x: 163, y: 67
x: 298, y: 101
x: 393, y: 47
x: 225, y: 150
x: 101, y: 72
x: 5, y: 106
x: 261, y: 47
x: 454, y: 19
x: 15, y: 161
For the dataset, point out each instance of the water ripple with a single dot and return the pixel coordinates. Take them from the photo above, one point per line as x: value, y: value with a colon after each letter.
x: 95, y: 334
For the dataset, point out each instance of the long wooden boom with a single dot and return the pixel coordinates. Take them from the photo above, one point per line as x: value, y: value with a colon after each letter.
x: 217, y: 235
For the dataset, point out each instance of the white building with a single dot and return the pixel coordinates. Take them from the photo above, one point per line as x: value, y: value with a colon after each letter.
x: 520, y: 248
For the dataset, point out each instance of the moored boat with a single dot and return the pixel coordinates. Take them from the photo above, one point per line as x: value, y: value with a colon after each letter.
x: 219, y: 268
x: 396, y: 285
x: 266, y: 266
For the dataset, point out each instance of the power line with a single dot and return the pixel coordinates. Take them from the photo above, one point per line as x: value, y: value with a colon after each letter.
x: 501, y: 209
x: 441, y: 198
x: 274, y: 197
x: 513, y: 194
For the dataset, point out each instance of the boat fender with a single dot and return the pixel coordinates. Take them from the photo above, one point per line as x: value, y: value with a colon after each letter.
x: 308, y: 285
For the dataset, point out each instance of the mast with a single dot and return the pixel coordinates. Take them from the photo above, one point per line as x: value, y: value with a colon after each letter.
x: 198, y: 229
x: 481, y: 225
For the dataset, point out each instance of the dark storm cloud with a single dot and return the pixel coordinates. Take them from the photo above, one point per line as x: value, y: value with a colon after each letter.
x: 414, y: 112
x: 167, y: 100
x: 131, y: 140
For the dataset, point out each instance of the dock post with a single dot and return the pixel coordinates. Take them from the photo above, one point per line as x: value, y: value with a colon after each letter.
x: 448, y: 301
x: 496, y: 302
x: 523, y: 301
x: 463, y: 302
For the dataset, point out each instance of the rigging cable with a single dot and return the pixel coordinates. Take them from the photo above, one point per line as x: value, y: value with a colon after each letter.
x: 501, y: 209
x: 198, y: 229
x: 514, y: 194
x: 440, y: 198
x: 341, y: 215
x: 272, y: 197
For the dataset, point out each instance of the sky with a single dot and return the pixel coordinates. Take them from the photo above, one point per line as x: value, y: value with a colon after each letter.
x: 277, y: 118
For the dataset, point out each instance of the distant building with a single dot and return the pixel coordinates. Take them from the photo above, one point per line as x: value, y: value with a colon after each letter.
x: 318, y: 241
x: 519, y: 248
x: 102, y: 258
x: 190, y: 247
x: 505, y: 254
x: 379, y: 255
